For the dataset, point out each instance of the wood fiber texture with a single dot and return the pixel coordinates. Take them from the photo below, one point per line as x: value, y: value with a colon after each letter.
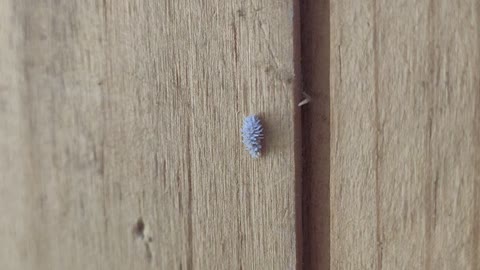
x: 405, y: 121
x: 120, y: 134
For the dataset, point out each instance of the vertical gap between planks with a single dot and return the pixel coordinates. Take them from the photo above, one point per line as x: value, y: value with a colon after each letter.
x: 315, y: 69
x: 298, y: 132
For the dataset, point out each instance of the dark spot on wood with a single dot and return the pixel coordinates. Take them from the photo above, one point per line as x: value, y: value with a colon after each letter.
x: 138, y: 229
x: 241, y: 12
x: 141, y: 233
x: 268, y: 69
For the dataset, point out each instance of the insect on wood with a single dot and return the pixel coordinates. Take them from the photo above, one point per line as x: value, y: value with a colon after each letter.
x: 252, y: 133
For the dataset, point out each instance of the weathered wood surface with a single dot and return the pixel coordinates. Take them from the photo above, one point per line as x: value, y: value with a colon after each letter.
x: 119, y: 135
x: 405, y: 164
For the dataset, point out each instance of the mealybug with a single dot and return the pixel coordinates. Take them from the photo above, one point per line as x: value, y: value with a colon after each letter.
x: 306, y: 99
x: 252, y: 133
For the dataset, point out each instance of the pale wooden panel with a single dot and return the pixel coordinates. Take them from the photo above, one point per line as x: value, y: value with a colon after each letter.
x: 126, y: 115
x: 405, y: 95
x: 14, y: 163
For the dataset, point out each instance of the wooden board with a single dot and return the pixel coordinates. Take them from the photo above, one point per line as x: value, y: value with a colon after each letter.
x: 119, y: 138
x: 13, y: 140
x: 405, y: 164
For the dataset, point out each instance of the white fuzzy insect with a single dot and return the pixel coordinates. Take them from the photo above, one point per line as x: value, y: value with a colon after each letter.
x: 306, y: 99
x: 252, y: 133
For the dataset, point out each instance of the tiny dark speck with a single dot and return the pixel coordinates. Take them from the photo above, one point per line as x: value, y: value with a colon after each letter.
x: 138, y: 228
x: 268, y: 69
x: 241, y: 12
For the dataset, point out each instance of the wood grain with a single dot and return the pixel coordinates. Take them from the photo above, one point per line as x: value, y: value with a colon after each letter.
x: 14, y: 166
x: 120, y: 145
x: 405, y: 164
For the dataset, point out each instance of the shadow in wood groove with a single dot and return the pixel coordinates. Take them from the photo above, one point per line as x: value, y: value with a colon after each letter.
x: 315, y: 31
x: 298, y: 136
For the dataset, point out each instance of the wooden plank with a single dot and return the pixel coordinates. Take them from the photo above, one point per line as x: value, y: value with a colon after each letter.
x: 14, y: 164
x: 405, y: 93
x: 120, y: 139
